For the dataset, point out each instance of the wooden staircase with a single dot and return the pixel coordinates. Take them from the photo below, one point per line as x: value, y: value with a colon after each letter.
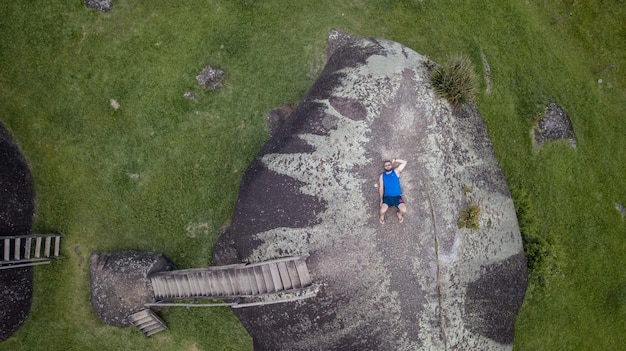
x: 278, y: 277
x: 28, y: 250
x: 147, y: 322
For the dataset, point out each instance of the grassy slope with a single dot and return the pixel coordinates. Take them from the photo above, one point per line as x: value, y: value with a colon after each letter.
x: 61, y: 64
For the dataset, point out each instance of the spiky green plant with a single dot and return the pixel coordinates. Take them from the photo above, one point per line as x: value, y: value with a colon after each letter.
x: 455, y: 80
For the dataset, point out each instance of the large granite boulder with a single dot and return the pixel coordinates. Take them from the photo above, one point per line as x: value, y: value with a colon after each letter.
x: 17, y: 207
x: 424, y: 284
x: 120, y: 285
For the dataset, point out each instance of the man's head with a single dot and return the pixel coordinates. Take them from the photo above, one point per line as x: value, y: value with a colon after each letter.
x: 388, y: 165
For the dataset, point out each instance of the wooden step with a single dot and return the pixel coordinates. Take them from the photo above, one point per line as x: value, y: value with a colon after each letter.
x: 275, y: 273
x: 293, y: 274
x: 284, y: 275
x: 147, y: 322
x: 303, y: 273
x: 260, y: 280
x: 267, y: 277
x: 7, y: 250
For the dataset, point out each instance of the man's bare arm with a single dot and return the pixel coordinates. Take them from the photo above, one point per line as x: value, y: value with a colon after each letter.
x: 402, y: 164
x: 381, y: 188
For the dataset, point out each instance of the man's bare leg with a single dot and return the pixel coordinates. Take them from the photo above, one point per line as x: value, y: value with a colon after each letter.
x: 401, y: 212
x: 381, y: 214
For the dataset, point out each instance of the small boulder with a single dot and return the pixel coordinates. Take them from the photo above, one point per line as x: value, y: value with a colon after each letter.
x: 190, y: 96
x: 554, y: 125
x: 210, y: 78
x: 620, y: 209
x: 100, y: 5
x: 120, y: 285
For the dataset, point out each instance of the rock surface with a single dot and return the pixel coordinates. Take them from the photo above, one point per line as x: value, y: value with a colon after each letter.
x: 17, y: 207
x: 100, y: 5
x: 210, y: 78
x: 120, y: 284
x: 554, y: 125
x: 424, y: 284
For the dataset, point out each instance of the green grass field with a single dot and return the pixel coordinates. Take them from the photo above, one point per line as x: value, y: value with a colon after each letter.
x: 61, y: 64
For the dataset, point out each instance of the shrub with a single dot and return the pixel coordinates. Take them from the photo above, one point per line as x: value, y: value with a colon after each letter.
x: 470, y: 218
x: 455, y: 81
x: 541, y: 252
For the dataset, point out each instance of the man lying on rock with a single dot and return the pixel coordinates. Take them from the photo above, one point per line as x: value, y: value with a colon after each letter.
x: 389, y: 190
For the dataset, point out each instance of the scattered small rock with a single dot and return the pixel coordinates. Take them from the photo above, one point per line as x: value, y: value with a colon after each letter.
x: 621, y: 209
x: 210, y: 78
x: 100, y: 5
x: 487, y: 73
x: 115, y: 104
x: 554, y: 125
x: 190, y: 96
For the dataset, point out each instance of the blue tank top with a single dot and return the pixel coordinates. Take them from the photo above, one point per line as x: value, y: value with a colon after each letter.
x: 391, y: 184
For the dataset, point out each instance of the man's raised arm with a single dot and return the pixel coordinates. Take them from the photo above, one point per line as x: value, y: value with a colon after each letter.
x: 402, y: 164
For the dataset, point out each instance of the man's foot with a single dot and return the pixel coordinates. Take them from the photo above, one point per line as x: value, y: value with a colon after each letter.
x: 381, y: 220
x: 400, y: 218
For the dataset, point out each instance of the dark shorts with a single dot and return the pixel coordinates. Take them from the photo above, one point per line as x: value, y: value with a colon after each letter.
x: 393, y: 201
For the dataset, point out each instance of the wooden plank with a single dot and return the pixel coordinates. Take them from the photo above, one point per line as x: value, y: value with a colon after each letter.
x: 140, y: 317
x: 293, y: 274
x: 47, y: 247
x: 207, y: 284
x: 159, y: 287
x: 180, y: 289
x: 284, y: 275
x: 278, y: 284
x: 57, y: 245
x: 17, y: 248
x: 224, y: 284
x: 155, y: 287
x: 186, y: 285
x: 254, y: 286
x: 216, y: 284
x: 249, y: 281
x: 267, y: 277
x: 230, y: 281
x: 167, y: 291
x: 7, y: 250
x: 163, y: 285
x: 284, y: 259
x: 303, y: 273
x: 27, y: 248
x: 260, y: 281
x: 270, y: 302
x: 194, y: 281
x: 38, y: 247
x: 239, y: 280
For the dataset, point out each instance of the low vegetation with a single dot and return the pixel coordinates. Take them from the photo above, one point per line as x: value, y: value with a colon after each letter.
x: 455, y: 80
x: 470, y: 218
